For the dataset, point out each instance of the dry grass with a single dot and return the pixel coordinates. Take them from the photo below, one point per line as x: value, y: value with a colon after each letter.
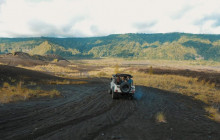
x: 60, y: 71
x: 107, y: 71
x: 102, y: 74
x: 160, y: 118
x: 52, y: 68
x: 108, y: 62
x: 184, y: 64
x: 189, y: 86
x: 64, y: 82
x: 12, y: 93
x: 214, y: 114
x: 73, y: 66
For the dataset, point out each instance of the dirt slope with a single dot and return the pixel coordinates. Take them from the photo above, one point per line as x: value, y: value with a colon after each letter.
x: 88, y: 112
x: 20, y: 74
x: 24, y: 59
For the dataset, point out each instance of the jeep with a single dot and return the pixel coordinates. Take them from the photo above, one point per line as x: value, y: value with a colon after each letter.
x: 121, y: 84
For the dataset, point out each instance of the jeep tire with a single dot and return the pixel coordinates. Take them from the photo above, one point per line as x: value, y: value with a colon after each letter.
x: 125, y: 87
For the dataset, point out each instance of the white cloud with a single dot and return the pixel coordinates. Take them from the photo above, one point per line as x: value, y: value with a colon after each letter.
x: 64, y: 18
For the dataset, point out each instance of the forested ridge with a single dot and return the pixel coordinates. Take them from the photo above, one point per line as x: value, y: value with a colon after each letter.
x: 169, y: 46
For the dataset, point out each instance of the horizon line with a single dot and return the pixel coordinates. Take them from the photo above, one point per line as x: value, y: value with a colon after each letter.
x: 106, y: 35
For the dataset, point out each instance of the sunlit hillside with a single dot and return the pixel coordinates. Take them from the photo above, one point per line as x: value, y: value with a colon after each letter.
x: 169, y: 46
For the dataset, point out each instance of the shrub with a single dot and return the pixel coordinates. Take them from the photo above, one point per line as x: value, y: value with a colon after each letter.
x: 55, y: 60
x: 213, y: 113
x: 6, y: 85
x: 160, y: 118
x: 151, y: 70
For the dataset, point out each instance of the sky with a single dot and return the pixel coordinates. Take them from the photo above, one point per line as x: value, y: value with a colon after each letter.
x: 87, y: 18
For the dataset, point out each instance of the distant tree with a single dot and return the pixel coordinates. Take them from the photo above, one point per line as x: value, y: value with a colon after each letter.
x: 13, y: 52
x: 55, y: 60
x: 151, y: 70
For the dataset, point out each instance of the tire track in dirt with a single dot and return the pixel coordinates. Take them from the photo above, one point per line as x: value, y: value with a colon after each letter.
x: 69, y: 112
x: 93, y: 126
x: 117, y: 112
x: 48, y: 108
x: 46, y: 130
x: 90, y: 113
x: 84, y: 109
x: 185, y: 119
x: 42, y: 116
x: 115, y: 122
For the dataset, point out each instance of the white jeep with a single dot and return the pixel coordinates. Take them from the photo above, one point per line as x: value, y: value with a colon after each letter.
x: 121, y: 84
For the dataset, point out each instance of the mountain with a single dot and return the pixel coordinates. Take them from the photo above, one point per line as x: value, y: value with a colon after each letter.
x: 51, y: 48
x: 170, y: 46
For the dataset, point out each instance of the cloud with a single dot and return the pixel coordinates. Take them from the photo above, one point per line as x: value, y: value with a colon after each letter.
x: 95, y: 30
x: 179, y: 14
x: 37, y: 1
x: 1, y: 3
x: 215, y: 19
x: 72, y: 23
x: 217, y: 22
x: 40, y: 28
x: 144, y: 26
x: 209, y: 23
x: 71, y: 18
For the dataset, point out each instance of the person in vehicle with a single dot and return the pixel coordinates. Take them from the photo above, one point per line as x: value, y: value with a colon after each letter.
x: 124, y: 79
x: 130, y: 81
x: 118, y: 80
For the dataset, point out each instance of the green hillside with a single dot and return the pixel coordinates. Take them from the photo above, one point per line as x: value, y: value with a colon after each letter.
x: 50, y: 48
x: 170, y: 46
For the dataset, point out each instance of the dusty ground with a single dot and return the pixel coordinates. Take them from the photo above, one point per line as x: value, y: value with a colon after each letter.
x: 88, y: 112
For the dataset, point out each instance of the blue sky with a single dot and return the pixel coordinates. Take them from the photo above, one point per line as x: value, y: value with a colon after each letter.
x: 85, y: 18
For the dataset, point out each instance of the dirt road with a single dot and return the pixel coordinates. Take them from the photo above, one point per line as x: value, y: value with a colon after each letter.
x: 88, y: 112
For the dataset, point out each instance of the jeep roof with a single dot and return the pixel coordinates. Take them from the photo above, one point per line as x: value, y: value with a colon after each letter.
x: 122, y: 75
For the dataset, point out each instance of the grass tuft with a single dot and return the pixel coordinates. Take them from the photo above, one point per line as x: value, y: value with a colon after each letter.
x: 214, y: 114
x: 160, y: 118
